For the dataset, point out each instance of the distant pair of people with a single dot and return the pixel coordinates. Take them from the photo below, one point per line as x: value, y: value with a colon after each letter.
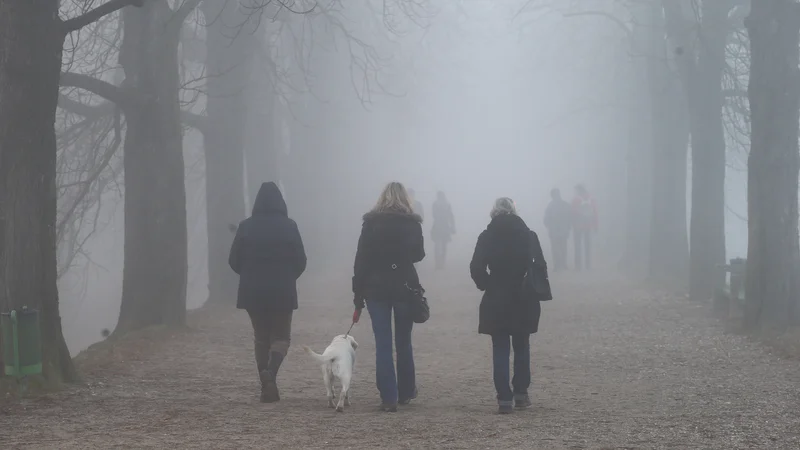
x: 579, y: 218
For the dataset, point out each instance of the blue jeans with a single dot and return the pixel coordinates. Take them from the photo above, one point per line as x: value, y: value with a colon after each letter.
x: 501, y: 352
x: 400, y: 386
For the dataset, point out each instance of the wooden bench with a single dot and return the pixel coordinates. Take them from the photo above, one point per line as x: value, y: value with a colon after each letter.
x: 734, y: 291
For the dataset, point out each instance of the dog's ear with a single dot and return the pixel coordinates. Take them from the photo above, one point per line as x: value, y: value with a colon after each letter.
x: 353, y: 343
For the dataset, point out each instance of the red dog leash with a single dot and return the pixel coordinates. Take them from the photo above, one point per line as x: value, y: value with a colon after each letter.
x: 356, y: 316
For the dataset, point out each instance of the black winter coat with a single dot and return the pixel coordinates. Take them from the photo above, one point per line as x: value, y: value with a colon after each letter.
x: 389, y: 245
x: 506, y: 248
x: 268, y: 255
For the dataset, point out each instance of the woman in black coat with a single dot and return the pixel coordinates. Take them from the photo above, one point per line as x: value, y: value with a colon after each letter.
x: 508, y: 312
x: 269, y: 256
x: 390, y: 243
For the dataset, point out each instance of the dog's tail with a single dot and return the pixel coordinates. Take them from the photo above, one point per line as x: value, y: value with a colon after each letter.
x: 322, y: 359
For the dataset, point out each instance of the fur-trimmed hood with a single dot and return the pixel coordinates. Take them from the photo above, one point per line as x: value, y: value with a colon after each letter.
x: 372, y: 215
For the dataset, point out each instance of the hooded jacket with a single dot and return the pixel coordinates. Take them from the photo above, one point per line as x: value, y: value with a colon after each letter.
x: 389, y: 245
x: 506, y: 248
x: 268, y: 255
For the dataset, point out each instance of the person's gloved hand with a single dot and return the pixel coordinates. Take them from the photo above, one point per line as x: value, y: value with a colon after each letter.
x: 359, y: 302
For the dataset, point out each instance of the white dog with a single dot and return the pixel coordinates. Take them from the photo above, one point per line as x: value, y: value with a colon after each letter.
x: 338, y: 362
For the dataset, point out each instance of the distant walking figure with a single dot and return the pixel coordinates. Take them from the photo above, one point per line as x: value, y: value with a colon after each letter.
x: 390, y: 243
x: 269, y: 257
x: 444, y: 227
x: 508, y: 312
x: 584, y: 223
x: 558, y: 221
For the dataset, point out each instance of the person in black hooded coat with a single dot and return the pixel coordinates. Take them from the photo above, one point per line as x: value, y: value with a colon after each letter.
x: 390, y: 243
x: 507, y: 312
x: 269, y: 256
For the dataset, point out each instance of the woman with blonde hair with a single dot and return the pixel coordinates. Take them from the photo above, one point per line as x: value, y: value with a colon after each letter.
x: 508, y: 311
x: 390, y: 243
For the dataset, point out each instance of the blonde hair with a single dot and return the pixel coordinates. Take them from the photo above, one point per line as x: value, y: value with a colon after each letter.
x: 503, y: 205
x: 394, y: 197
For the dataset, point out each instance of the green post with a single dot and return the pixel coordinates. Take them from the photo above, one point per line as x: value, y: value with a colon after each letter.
x: 22, y: 347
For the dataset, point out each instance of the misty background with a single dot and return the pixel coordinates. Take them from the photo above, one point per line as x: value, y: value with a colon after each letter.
x: 479, y: 99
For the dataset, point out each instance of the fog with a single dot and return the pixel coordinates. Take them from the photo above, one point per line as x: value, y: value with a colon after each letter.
x: 480, y: 99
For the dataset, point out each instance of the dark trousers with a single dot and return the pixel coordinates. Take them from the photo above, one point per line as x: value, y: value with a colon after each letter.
x: 501, y: 352
x: 272, y: 331
x: 439, y: 253
x: 558, y: 245
x: 402, y: 384
x: 583, y: 248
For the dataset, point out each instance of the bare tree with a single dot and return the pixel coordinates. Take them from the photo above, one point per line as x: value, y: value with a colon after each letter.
x: 31, y: 43
x: 773, y: 164
x: 669, y: 249
x: 155, y: 264
x: 700, y: 32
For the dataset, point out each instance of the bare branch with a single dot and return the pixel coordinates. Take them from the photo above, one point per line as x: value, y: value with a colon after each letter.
x: 99, y: 87
x: 75, y: 24
x: 180, y: 14
x: 189, y: 118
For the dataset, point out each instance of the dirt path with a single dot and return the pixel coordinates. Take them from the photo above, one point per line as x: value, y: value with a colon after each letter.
x: 613, y: 368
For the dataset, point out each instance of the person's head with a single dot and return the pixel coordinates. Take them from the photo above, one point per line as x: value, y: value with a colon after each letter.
x: 440, y: 196
x: 269, y: 200
x: 555, y: 194
x: 503, y: 206
x: 581, y: 190
x: 394, y: 197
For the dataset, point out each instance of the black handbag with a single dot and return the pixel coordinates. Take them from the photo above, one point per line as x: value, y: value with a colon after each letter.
x: 418, y: 304
x: 536, y: 282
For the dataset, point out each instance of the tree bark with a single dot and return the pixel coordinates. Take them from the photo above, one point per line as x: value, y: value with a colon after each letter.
x: 30, y: 60
x: 639, y: 183
x: 773, y: 164
x: 707, y: 223
x: 669, y: 247
x: 228, y: 59
x: 156, y: 254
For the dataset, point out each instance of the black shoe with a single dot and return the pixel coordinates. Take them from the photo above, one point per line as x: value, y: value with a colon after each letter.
x: 505, y: 409
x: 505, y: 406
x: 406, y: 401
x: 522, y: 401
x: 388, y: 407
x: 269, y: 389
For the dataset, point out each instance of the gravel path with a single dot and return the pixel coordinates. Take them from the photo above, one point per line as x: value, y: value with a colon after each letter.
x: 614, y: 367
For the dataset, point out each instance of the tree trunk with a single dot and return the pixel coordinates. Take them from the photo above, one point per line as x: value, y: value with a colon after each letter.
x: 707, y: 226
x: 228, y: 58
x: 30, y: 61
x: 156, y: 253
x: 669, y: 247
x: 639, y: 184
x: 773, y: 164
